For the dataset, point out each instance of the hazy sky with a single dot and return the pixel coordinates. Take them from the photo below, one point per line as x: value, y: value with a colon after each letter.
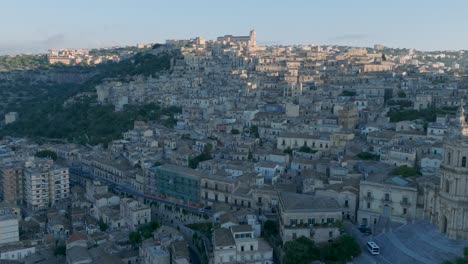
x: 37, y: 25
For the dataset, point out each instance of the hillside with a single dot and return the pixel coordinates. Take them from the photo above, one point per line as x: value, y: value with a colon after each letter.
x: 44, y: 115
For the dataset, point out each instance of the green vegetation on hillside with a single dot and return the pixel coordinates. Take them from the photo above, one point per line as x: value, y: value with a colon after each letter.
x: 405, y: 171
x: 307, y: 149
x: 348, y: 93
x: 46, y: 154
x: 85, y: 122
x: 43, y: 114
x: 400, y: 103
x: 19, y: 62
x: 204, y: 228
x: 143, y: 232
x: 205, y: 155
x: 368, y: 156
x: 428, y: 115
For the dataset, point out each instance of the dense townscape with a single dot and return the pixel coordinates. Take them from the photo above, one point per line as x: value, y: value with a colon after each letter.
x: 226, y: 151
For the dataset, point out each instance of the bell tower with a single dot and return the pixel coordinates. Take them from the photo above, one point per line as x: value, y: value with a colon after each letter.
x: 453, y: 191
x: 253, y: 38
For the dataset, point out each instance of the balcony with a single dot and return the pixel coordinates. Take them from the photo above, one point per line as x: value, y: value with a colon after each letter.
x: 368, y: 198
x: 405, y: 203
x: 386, y: 200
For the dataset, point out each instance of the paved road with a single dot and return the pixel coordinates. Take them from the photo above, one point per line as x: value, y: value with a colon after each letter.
x: 126, y: 189
x: 365, y: 257
x: 195, y: 255
x: 414, y: 243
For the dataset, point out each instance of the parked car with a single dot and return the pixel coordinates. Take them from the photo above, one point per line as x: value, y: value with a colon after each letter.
x: 365, y: 230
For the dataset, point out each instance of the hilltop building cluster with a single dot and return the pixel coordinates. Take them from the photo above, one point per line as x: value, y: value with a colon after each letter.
x: 308, y: 136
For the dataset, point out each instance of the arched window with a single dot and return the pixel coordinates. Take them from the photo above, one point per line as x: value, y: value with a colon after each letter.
x: 447, y: 186
x: 463, y: 161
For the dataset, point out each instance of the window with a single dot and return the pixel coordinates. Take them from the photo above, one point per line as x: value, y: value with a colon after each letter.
x: 368, y: 205
x: 369, y: 194
x: 226, y: 199
x: 346, y: 203
x: 449, y: 158
x: 387, y: 197
x: 405, y: 211
x: 330, y: 234
x: 463, y: 161
x: 251, y: 248
x: 242, y: 248
x: 294, y: 236
x: 447, y: 186
x: 405, y: 200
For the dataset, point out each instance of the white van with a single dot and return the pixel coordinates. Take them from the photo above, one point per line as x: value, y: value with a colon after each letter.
x: 373, y: 248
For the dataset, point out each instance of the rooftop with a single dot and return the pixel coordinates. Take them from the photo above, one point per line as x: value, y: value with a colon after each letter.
x: 299, y: 202
x: 222, y: 237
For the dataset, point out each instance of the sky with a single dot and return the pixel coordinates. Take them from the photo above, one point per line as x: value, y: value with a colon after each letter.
x: 31, y: 26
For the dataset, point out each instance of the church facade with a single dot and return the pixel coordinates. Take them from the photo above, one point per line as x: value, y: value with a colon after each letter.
x: 449, y: 210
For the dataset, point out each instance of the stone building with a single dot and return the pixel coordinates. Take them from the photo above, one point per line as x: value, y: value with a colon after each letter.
x: 451, y: 215
x: 348, y: 116
x: 314, y: 217
x: 384, y: 198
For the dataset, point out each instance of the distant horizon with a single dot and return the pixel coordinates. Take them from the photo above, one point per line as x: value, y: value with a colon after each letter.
x: 421, y: 25
x: 259, y: 44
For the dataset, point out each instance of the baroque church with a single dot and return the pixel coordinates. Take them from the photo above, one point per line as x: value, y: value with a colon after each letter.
x: 449, y: 201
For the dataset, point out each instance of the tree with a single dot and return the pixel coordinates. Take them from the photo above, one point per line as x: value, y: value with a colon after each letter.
x: 368, y: 156
x: 384, y: 58
x: 102, y: 226
x: 288, y: 151
x: 348, y: 93
x: 234, y: 131
x: 306, y: 149
x: 405, y: 171
x: 461, y: 261
x: 401, y: 94
x: 300, y: 251
x: 46, y: 154
x: 193, y: 162
x: 254, y: 131
x: 157, y: 164
x: 134, y: 238
x: 270, y: 227
x: 60, y: 250
x: 342, y: 249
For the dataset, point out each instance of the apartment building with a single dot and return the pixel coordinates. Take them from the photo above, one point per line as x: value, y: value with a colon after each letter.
x: 178, y: 184
x: 9, y: 231
x: 11, y: 183
x: 239, y: 245
x: 44, y: 186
